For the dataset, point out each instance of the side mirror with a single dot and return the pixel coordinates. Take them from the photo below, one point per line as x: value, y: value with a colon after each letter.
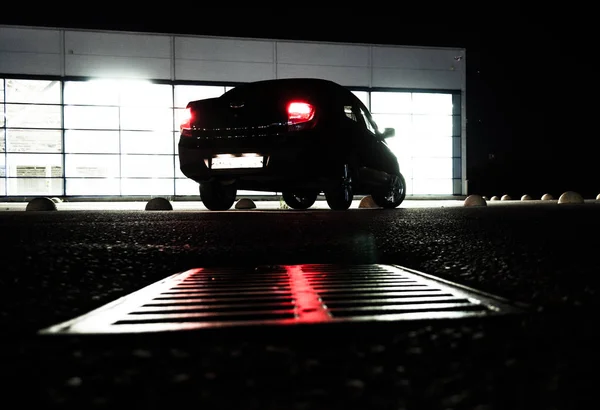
x: 388, y: 132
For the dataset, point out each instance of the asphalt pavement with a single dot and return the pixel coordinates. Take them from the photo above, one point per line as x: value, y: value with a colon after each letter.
x: 59, y: 265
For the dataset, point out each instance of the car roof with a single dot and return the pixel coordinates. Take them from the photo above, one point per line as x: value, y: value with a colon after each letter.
x: 317, y: 87
x: 303, y: 82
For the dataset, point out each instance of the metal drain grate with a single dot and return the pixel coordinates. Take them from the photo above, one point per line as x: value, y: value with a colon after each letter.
x: 285, y: 294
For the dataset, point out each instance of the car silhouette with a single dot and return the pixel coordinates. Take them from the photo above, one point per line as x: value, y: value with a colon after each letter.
x: 298, y: 136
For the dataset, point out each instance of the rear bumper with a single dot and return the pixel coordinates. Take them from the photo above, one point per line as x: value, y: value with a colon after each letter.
x: 302, y: 159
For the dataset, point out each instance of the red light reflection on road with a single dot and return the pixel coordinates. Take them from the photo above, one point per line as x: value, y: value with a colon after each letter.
x: 309, y: 306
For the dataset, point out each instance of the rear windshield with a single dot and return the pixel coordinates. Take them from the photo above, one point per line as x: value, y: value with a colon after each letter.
x: 280, y: 90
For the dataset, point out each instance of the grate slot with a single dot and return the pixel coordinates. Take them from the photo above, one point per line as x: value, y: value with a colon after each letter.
x: 219, y: 288
x: 355, y: 276
x: 252, y: 278
x: 222, y: 294
x: 365, y: 282
x: 335, y: 288
x: 145, y: 309
x: 285, y: 295
x: 392, y: 302
x: 241, y: 317
x: 389, y: 310
x: 209, y: 302
x: 404, y: 289
x: 388, y: 295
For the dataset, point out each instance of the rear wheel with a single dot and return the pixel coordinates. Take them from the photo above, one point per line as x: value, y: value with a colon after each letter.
x: 339, y: 197
x: 395, y: 194
x: 216, y: 196
x: 300, y: 200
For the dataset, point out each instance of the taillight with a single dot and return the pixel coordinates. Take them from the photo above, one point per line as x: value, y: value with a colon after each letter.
x: 186, y: 122
x: 299, y: 112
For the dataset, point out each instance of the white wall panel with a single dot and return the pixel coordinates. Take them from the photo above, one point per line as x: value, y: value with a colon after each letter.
x: 416, y: 58
x: 118, y: 67
x: 131, y: 55
x: 347, y: 76
x: 198, y: 70
x: 191, y: 48
x: 323, y: 54
x: 116, y: 44
x: 29, y: 63
x: 30, y: 51
x: 29, y: 40
x: 427, y: 79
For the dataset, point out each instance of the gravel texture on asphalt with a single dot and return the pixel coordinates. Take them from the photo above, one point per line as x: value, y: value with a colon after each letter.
x: 59, y: 265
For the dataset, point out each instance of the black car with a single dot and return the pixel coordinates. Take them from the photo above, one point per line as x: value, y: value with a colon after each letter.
x: 298, y: 136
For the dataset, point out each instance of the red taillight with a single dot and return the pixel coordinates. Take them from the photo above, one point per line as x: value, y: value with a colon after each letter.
x: 300, y: 111
x: 186, y: 121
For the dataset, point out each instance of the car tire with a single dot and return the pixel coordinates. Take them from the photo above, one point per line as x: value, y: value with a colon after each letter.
x: 299, y: 200
x: 339, y: 196
x: 339, y: 199
x: 395, y: 194
x: 216, y: 196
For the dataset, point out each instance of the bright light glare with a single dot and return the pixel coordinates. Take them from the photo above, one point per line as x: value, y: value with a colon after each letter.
x: 300, y: 112
x: 186, y: 117
x: 299, y: 108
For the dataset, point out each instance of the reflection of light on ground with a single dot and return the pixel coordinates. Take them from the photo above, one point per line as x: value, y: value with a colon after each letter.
x: 197, y: 205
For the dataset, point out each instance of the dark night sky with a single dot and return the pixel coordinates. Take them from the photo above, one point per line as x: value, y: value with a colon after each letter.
x: 524, y: 81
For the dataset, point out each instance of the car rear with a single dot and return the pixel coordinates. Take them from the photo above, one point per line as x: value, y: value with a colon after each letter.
x: 258, y: 132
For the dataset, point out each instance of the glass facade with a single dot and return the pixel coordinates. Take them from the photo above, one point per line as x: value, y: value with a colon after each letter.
x: 424, y: 124
x: 119, y: 138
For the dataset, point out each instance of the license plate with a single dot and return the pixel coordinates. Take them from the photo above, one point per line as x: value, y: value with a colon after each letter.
x: 237, y: 162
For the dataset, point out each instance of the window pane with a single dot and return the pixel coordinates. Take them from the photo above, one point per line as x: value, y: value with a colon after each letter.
x: 178, y: 173
x: 33, y: 91
x: 95, y: 92
x: 2, y: 142
x: 187, y: 93
x: 19, y: 140
x: 147, y: 166
x: 2, y: 186
x: 91, y: 142
x: 432, y: 168
x: 146, y: 118
x: 409, y: 186
x: 179, y: 113
x: 146, y: 142
x: 400, y: 147
x: 401, y: 123
x: 34, y: 165
x: 144, y: 94
x: 363, y: 96
x: 186, y: 187
x: 406, y: 165
x: 92, y: 117
x: 35, y: 186
x: 147, y: 186
x: 432, y: 125
x: 92, y: 165
x: 176, y: 137
x: 100, y: 186
x: 432, y: 147
x: 33, y: 116
x: 391, y: 103
x: 2, y: 91
x: 432, y: 186
x: 2, y: 166
x: 427, y: 103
